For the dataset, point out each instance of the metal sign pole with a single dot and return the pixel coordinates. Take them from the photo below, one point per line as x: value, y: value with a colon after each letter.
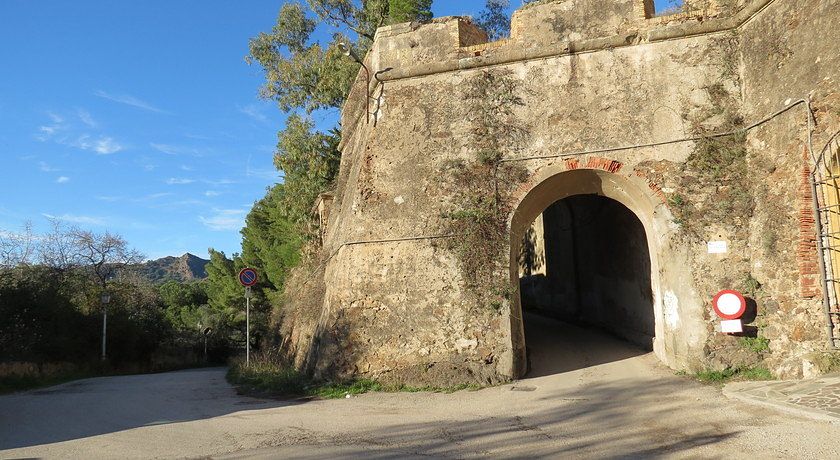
x: 248, y: 326
x: 205, y: 332
x: 248, y: 278
x: 104, y: 299
x: 104, y: 330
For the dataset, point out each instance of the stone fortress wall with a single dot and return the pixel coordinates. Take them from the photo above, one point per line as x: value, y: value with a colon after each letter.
x: 609, y: 101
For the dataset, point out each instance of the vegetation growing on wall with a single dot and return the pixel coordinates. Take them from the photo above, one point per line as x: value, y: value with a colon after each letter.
x: 480, y: 217
x: 716, y: 180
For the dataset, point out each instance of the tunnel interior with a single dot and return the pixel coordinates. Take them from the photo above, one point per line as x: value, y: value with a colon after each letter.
x: 585, y: 275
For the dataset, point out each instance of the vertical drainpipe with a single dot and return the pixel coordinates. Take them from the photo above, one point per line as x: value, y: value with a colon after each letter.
x: 823, y: 275
x: 829, y: 324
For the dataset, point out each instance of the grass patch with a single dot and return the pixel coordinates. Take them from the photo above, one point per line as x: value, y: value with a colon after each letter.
x: 432, y: 389
x: 756, y: 344
x: 269, y: 379
x: 333, y: 390
x: 730, y: 375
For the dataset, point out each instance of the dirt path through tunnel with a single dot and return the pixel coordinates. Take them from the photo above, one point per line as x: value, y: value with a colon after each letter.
x: 555, y: 347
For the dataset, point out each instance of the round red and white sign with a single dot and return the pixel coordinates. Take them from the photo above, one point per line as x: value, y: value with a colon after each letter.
x: 729, y: 304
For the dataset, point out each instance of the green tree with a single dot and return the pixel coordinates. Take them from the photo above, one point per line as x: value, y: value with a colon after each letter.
x: 39, y: 323
x: 409, y: 10
x: 309, y: 161
x: 303, y: 75
x: 271, y: 241
x: 225, y: 295
x: 494, y: 19
x: 185, y: 305
x: 226, y: 301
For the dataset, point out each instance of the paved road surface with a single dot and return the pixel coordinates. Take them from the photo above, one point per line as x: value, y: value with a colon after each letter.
x: 596, y: 397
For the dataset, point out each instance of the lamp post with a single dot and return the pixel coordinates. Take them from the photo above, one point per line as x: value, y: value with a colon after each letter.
x: 348, y: 51
x: 206, y: 332
x: 104, y: 299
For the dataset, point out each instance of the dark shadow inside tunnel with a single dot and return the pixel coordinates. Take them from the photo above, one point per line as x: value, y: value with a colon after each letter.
x: 585, y: 284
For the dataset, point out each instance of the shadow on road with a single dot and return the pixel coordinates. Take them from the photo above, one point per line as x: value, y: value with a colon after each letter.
x: 630, y: 418
x: 555, y: 347
x: 103, y: 405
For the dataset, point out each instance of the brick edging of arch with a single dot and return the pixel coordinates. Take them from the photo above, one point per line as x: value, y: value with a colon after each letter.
x: 595, y: 162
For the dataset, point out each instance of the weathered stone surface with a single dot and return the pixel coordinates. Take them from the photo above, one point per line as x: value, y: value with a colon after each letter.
x: 609, y: 103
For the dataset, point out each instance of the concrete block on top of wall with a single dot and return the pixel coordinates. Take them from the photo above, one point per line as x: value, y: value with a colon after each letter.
x: 572, y: 20
x: 417, y: 44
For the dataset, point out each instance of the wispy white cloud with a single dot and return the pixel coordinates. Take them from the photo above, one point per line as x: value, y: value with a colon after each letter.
x: 62, y: 180
x: 165, y: 148
x: 104, y: 145
x: 110, y: 198
x: 86, y: 118
x: 45, y: 167
x: 146, y: 162
x: 151, y: 197
x: 155, y: 196
x: 46, y: 132
x: 219, y: 181
x: 66, y: 134
x: 129, y: 100
x: 212, y: 193
x: 182, y: 203
x: 224, y: 220
x: 179, y: 181
x: 255, y: 112
x: 77, y: 219
x: 170, y: 149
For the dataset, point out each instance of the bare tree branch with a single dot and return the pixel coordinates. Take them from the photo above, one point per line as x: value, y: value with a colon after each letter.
x: 17, y: 248
x: 56, y: 249
x: 103, y: 254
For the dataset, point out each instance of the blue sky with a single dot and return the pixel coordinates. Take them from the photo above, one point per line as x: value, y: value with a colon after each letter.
x: 140, y: 118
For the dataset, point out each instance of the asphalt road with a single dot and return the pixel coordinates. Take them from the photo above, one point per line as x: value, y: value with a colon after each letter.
x: 594, y: 397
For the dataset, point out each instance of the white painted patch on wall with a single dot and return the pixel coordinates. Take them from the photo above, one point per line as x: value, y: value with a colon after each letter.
x: 465, y: 344
x: 672, y: 313
x: 717, y: 247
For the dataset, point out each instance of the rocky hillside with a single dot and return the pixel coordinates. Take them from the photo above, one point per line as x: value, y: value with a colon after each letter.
x: 185, y: 268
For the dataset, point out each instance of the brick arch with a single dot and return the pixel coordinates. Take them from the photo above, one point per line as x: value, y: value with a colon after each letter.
x: 594, y: 163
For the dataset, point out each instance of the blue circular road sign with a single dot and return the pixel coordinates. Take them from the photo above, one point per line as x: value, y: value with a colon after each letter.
x: 248, y: 277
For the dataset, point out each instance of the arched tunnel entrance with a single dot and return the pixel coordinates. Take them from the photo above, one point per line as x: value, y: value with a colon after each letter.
x: 585, y: 266
x: 585, y: 280
x: 608, y: 282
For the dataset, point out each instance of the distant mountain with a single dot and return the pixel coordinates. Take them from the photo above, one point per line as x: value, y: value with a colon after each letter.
x: 185, y: 268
